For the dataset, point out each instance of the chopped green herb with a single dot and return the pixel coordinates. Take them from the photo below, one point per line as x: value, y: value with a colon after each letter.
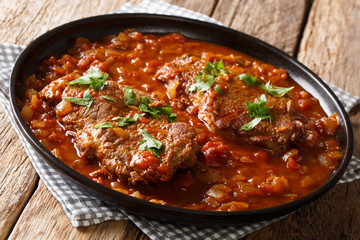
x: 144, y: 105
x: 103, y: 125
x: 258, y: 111
x: 96, y: 79
x: 172, y: 117
x: 86, y: 100
x: 250, y: 125
x: 168, y: 111
x: 125, y: 121
x: 116, y: 118
x: 165, y: 110
x: 130, y: 96
x: 216, y: 69
x: 249, y: 80
x: 137, y: 115
x: 155, y: 112
x: 218, y: 89
x: 276, y: 91
x: 271, y: 89
x: 150, y: 143
x: 107, y: 98
x: 204, y: 82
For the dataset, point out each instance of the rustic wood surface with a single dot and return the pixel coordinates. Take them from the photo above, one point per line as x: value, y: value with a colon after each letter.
x: 17, y: 176
x: 329, y: 45
x: 277, y: 22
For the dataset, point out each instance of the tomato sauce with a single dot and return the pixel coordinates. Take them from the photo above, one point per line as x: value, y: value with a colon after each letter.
x: 228, y: 176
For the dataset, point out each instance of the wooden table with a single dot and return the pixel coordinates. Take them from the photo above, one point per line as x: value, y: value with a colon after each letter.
x: 322, y: 34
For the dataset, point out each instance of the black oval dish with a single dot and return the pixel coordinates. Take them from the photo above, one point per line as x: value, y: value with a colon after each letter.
x: 59, y: 39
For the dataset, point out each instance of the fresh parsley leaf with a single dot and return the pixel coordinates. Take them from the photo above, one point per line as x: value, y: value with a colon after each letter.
x: 165, y: 110
x: 96, y: 79
x: 258, y: 111
x: 116, y: 118
x: 144, y: 107
x: 103, y: 125
x: 218, y: 89
x: 250, y: 125
x: 248, y: 79
x: 107, y: 98
x: 155, y: 112
x: 271, y: 89
x: 274, y: 90
x: 150, y: 143
x: 204, y: 82
x: 137, y: 115
x: 172, y: 117
x: 201, y: 85
x: 216, y: 69
x: 130, y: 96
x: 86, y: 100
x: 125, y: 121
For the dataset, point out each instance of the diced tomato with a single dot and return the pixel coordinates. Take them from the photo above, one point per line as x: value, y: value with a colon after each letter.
x: 311, y: 137
x: 164, y: 171
x: 275, y: 185
x: 145, y: 159
x: 215, y: 153
x: 201, y: 138
x: 327, y: 126
x: 100, y: 65
x: 292, y: 164
x: 261, y: 156
x: 304, y: 104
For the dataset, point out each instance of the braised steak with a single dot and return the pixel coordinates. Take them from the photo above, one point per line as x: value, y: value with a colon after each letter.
x: 117, y: 147
x: 225, y: 110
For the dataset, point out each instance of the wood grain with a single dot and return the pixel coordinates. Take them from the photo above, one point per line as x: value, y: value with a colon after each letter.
x: 276, y: 22
x: 44, y: 218
x: 333, y: 51
x: 17, y: 177
x: 329, y: 48
x: 25, y: 20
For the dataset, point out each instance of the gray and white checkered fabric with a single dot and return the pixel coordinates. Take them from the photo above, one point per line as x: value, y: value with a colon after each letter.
x: 84, y: 209
x: 149, y: 6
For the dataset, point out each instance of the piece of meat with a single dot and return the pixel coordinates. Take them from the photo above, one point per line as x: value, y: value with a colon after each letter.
x: 226, y: 112
x: 53, y: 91
x: 117, y: 148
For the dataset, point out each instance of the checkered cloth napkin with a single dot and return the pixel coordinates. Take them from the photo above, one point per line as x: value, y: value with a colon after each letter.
x: 85, y: 210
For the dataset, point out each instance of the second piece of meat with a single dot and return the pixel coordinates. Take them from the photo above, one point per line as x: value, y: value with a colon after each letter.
x: 225, y: 111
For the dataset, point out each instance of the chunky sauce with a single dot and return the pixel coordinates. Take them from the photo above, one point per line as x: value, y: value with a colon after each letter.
x: 228, y: 176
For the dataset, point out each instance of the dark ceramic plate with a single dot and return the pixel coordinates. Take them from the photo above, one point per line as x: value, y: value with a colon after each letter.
x: 59, y: 39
